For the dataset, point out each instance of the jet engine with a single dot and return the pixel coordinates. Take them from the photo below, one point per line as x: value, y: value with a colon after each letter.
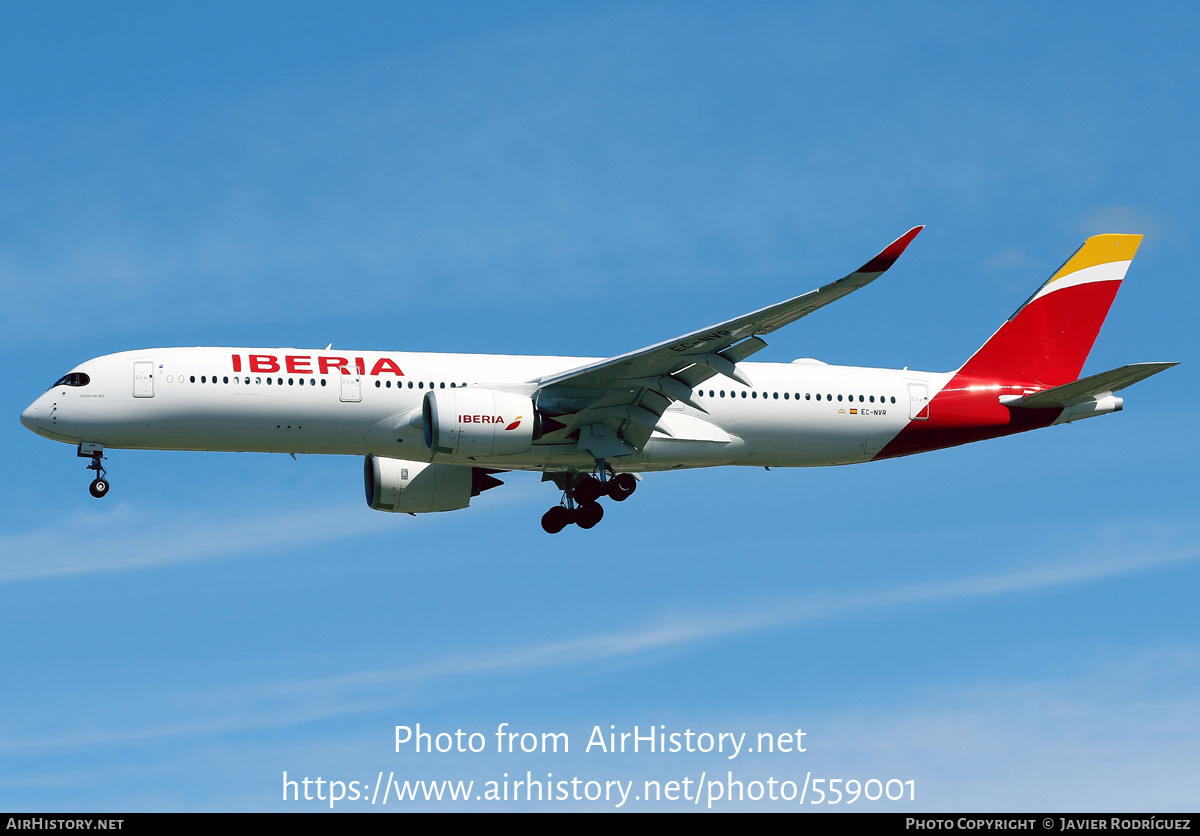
x: 404, y: 487
x: 479, y: 422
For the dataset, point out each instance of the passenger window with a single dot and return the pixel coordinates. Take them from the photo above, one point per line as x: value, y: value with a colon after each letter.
x: 808, y: 397
x: 224, y: 380
x: 322, y: 381
x: 839, y: 398
x: 785, y: 396
x: 421, y: 385
x: 442, y: 386
x: 775, y: 396
x: 377, y: 384
x: 743, y: 394
x: 818, y: 396
x: 754, y: 394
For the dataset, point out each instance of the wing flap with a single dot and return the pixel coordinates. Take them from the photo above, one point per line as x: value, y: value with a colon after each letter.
x: 677, y: 426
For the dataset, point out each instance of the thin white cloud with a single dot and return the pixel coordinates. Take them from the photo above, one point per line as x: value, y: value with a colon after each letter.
x: 122, y: 539
x: 681, y: 631
x: 284, y: 704
x: 1129, y: 219
x: 1106, y: 739
x: 1010, y: 259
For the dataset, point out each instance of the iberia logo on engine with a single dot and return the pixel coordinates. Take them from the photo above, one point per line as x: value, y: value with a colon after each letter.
x: 489, y: 419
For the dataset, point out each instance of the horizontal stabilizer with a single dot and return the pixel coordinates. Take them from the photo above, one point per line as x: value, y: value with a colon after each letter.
x: 1087, y: 388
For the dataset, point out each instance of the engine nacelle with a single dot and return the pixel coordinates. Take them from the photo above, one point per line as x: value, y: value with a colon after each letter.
x: 479, y: 422
x: 404, y: 487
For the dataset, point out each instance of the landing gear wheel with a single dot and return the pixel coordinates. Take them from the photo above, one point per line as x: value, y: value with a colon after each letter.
x: 621, y: 487
x: 556, y: 519
x: 589, y: 490
x: 588, y: 514
x: 95, y: 452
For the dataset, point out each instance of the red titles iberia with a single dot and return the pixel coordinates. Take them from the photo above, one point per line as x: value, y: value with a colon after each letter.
x: 303, y: 364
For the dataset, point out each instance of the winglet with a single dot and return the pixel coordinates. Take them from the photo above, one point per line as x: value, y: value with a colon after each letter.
x: 890, y: 253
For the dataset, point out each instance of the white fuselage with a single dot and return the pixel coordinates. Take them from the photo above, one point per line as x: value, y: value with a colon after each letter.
x: 355, y: 403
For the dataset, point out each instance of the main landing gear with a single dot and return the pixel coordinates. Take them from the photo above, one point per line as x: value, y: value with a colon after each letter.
x: 580, y: 494
x: 95, y: 452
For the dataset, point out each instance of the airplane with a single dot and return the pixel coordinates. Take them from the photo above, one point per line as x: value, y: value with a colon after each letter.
x: 435, y: 429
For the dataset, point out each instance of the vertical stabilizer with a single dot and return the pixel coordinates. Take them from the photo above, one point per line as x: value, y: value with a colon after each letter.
x: 1049, y: 337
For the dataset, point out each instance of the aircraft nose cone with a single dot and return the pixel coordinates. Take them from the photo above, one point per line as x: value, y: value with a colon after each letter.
x: 29, y: 418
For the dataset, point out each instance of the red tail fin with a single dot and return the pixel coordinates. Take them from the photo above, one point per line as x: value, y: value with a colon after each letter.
x: 1049, y: 337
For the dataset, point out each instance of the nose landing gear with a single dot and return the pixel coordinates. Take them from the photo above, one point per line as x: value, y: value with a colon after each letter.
x: 95, y: 452
x: 580, y: 503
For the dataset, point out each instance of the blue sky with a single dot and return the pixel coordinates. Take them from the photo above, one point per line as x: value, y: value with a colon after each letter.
x: 1010, y: 624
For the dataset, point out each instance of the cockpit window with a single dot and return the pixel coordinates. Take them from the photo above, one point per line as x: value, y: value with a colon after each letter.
x: 73, y: 379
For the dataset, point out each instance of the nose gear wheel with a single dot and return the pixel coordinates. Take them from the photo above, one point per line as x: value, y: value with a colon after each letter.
x: 100, y: 485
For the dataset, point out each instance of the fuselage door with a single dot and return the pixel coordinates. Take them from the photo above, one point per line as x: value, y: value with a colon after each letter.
x: 143, y: 379
x: 351, y: 388
x: 918, y: 401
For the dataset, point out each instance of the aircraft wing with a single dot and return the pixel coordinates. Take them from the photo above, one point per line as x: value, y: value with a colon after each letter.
x: 627, y: 394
